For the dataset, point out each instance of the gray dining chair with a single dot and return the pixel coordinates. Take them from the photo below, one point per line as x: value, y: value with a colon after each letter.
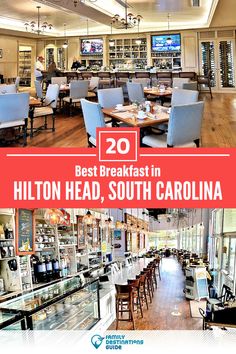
x: 93, y: 119
x: 184, y: 128
x: 48, y: 109
x: 179, y: 97
x: 135, y: 92
x: 78, y: 90
x: 192, y: 85
x: 61, y: 80
x: 109, y: 98
x: 179, y: 82
x: 14, y: 112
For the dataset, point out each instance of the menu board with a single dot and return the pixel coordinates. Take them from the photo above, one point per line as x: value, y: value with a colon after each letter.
x: 25, y: 232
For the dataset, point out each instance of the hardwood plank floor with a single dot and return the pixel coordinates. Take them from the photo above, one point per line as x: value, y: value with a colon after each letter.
x: 168, y: 297
x: 218, y: 128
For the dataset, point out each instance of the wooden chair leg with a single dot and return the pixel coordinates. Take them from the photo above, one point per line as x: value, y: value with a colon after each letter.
x: 45, y: 122
x: 31, y: 127
x: 25, y: 133
x: 53, y: 122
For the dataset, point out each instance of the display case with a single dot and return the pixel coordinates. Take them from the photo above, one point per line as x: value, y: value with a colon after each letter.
x: 9, y: 321
x: 67, y: 305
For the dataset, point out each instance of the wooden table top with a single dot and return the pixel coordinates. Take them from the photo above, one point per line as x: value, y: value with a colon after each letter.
x: 33, y: 102
x: 130, y: 117
x: 157, y: 92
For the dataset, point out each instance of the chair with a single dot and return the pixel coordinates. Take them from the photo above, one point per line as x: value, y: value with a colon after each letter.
x: 109, y: 98
x: 178, y: 82
x: 225, y: 296
x: 94, y: 83
x: 17, y: 82
x: 145, y: 82
x: 135, y: 283
x: 121, y: 78
x: 78, y: 90
x: 188, y: 74
x: 205, y: 80
x: 49, y: 109
x: 93, y: 118
x: 135, y: 92
x: 192, y: 85
x: 61, y: 80
x: 184, y: 129
x: 86, y: 75
x: 143, y: 288
x: 8, y: 89
x: 39, y: 90
x: 142, y: 74
x: 14, y: 112
x: 181, y: 97
x: 124, y: 303
x: 73, y: 75
x: 105, y: 79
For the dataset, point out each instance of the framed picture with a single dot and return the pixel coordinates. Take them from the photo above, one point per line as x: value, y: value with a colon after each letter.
x: 25, y: 231
x: 117, y: 235
x: 80, y: 233
x: 1, y: 53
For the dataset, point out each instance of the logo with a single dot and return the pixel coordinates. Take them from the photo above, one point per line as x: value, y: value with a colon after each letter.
x: 97, y: 340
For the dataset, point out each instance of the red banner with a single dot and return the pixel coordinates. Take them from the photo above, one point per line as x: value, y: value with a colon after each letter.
x: 118, y: 173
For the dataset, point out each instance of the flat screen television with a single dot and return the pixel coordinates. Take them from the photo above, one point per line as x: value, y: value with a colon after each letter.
x: 92, y: 46
x: 159, y: 43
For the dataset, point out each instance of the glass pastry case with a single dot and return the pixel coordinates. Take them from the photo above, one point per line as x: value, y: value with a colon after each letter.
x: 11, y: 321
x: 66, y: 305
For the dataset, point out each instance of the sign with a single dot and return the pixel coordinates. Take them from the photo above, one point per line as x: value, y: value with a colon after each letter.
x: 25, y: 231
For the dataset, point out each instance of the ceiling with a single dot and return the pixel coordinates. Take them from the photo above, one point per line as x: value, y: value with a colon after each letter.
x: 13, y: 15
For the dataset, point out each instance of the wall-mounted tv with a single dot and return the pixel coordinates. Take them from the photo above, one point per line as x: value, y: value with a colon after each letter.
x: 92, y: 46
x: 160, y: 43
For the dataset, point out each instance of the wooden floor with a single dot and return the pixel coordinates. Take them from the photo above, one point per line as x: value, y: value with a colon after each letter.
x: 218, y: 129
x: 168, y: 298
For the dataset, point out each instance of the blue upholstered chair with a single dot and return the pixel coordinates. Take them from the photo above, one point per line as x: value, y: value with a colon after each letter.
x: 192, y: 85
x: 184, y: 128
x: 8, y: 89
x: 109, y: 98
x: 135, y: 91
x: 93, y: 118
x: 179, y: 82
x: 48, y: 109
x: 179, y: 97
x: 14, y: 112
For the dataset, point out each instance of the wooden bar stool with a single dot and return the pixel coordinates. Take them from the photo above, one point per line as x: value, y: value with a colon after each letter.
x: 136, y: 294
x: 143, y: 289
x: 147, y: 284
x: 124, y: 303
x: 157, y: 263
x: 149, y: 275
x: 152, y: 266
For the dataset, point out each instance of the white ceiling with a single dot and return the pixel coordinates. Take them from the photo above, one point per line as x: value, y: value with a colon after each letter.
x: 13, y: 14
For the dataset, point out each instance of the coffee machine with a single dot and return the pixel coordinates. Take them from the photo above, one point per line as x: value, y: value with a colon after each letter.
x: 10, y: 273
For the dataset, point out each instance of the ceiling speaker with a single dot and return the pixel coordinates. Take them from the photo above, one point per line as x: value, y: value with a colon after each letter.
x: 196, y: 3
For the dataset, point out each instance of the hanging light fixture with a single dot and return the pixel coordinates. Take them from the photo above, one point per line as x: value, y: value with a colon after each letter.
x: 65, y: 44
x: 129, y: 21
x: 201, y: 224
x: 138, y: 41
x: 38, y: 27
x: 89, y: 219
x: 53, y: 216
x: 169, y: 39
x: 111, y: 41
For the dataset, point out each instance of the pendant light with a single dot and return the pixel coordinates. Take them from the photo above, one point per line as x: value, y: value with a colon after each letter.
x: 53, y: 216
x: 138, y: 41
x: 111, y: 41
x: 65, y: 44
x: 109, y: 221
x: 89, y: 219
x: 201, y: 224
x: 169, y: 39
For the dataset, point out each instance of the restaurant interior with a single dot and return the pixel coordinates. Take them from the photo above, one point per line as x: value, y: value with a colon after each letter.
x: 68, y: 67
x: 117, y: 269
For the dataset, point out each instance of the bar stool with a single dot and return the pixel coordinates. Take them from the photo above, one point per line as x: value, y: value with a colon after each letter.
x: 147, y: 284
x: 135, y: 283
x: 150, y: 279
x: 143, y: 288
x: 152, y: 266
x: 124, y: 303
x: 157, y: 263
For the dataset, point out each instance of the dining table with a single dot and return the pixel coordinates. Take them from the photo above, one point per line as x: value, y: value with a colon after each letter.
x: 129, y: 116
x: 159, y: 93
